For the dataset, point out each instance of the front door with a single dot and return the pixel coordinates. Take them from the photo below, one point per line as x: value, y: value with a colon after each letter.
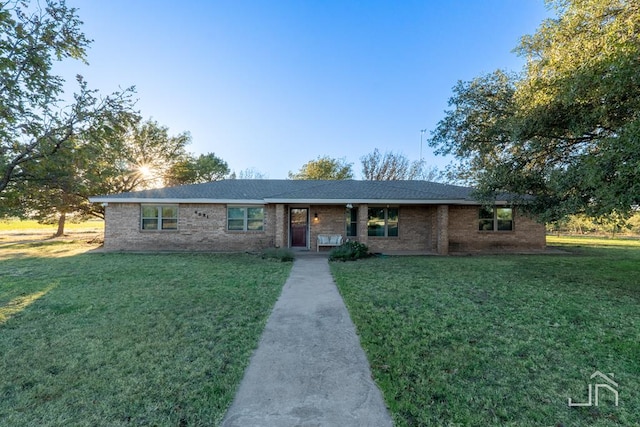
x: 299, y: 227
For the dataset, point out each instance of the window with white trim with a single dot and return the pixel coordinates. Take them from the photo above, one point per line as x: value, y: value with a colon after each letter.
x: 495, y: 219
x: 159, y: 217
x: 245, y: 218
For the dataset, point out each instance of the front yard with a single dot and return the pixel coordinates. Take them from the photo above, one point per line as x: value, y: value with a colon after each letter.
x: 163, y: 339
x: 501, y: 340
x: 127, y: 339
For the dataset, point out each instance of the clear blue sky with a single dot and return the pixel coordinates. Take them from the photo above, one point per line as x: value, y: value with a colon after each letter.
x: 273, y: 84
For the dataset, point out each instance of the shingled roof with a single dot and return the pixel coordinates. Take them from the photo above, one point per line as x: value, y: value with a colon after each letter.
x: 300, y: 191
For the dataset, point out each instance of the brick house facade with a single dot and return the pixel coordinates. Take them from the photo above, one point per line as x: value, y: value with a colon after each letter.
x: 249, y: 215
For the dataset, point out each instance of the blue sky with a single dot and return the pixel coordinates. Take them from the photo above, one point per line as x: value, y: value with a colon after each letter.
x: 272, y: 84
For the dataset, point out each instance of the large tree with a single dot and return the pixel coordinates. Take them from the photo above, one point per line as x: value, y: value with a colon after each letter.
x: 195, y: 170
x: 567, y: 128
x: 389, y: 167
x: 324, y: 168
x: 134, y: 156
x: 141, y: 157
x: 34, y: 122
x: 55, y: 187
x: 137, y: 157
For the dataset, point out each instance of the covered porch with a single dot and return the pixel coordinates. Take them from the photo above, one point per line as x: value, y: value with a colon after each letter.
x: 390, y: 229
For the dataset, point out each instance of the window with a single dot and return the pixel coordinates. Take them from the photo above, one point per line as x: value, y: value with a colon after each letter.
x: 244, y: 218
x: 495, y: 219
x: 383, y: 222
x: 159, y: 217
x: 352, y: 222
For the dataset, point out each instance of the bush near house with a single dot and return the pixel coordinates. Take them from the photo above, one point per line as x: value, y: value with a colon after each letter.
x: 349, y: 251
x: 278, y: 254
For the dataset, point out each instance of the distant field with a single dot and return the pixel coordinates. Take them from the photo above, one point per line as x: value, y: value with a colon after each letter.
x: 18, y: 225
x: 16, y: 231
x: 593, y: 241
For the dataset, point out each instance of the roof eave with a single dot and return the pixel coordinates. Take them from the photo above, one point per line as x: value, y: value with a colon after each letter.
x: 157, y: 200
x: 381, y: 201
x: 160, y: 200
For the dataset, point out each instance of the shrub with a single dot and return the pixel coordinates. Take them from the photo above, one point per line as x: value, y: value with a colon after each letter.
x: 349, y: 251
x: 278, y: 254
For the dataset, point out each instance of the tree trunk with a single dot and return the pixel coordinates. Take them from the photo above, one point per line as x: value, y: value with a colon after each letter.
x: 61, y: 221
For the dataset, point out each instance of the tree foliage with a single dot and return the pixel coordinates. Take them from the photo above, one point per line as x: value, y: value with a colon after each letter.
x: 34, y: 122
x: 567, y: 128
x: 249, y: 173
x: 324, y: 168
x: 196, y: 170
x: 53, y: 188
x: 582, y: 224
x: 55, y: 154
x: 140, y: 157
x: 389, y: 167
x: 135, y: 156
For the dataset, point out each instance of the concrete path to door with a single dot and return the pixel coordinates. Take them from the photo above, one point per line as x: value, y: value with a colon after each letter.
x: 309, y: 368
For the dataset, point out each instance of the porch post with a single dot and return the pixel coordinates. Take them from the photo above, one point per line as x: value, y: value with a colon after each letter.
x: 442, y: 229
x: 280, y: 237
x: 363, y: 218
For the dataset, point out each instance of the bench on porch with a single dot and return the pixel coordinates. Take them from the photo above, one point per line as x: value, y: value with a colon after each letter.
x: 328, y: 240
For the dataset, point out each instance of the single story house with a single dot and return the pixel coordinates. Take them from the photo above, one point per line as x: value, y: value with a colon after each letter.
x: 243, y: 215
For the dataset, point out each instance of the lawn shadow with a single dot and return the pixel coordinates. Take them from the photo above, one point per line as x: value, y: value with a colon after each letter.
x: 18, y: 304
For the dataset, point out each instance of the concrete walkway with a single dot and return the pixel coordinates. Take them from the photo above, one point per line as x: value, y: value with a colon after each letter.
x: 309, y: 368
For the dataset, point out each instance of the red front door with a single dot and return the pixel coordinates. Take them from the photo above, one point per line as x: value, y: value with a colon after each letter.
x: 299, y: 227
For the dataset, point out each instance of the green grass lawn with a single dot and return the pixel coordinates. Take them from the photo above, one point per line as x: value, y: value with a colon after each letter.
x: 501, y: 340
x: 108, y: 339
x: 590, y: 241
